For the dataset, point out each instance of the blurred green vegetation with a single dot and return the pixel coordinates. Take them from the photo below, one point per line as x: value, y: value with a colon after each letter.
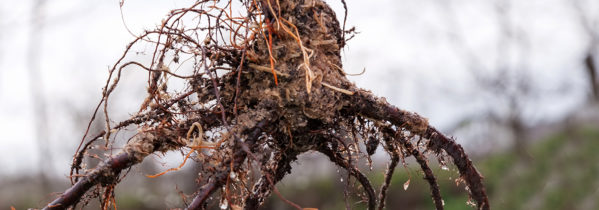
x: 561, y: 172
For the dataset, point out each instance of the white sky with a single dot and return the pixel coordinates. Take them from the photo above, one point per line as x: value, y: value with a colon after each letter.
x: 403, y: 45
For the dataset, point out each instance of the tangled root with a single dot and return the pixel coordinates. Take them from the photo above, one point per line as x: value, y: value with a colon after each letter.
x: 263, y: 84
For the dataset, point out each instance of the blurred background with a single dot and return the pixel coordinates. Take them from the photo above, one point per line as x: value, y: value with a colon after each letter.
x: 515, y: 82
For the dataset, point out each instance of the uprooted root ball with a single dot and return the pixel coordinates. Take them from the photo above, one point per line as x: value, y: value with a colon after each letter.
x: 265, y: 84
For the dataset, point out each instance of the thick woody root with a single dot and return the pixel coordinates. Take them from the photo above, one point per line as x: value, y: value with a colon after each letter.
x: 394, y: 138
x: 376, y: 108
x: 108, y: 172
x: 428, y: 173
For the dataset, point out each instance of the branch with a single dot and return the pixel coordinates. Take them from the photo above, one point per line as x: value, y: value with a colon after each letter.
x: 589, y: 64
x: 363, y: 102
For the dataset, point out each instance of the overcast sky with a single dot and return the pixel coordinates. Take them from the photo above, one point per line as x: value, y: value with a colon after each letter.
x: 405, y: 46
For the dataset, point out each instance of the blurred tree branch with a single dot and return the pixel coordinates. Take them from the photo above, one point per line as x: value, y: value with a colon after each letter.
x: 590, y: 26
